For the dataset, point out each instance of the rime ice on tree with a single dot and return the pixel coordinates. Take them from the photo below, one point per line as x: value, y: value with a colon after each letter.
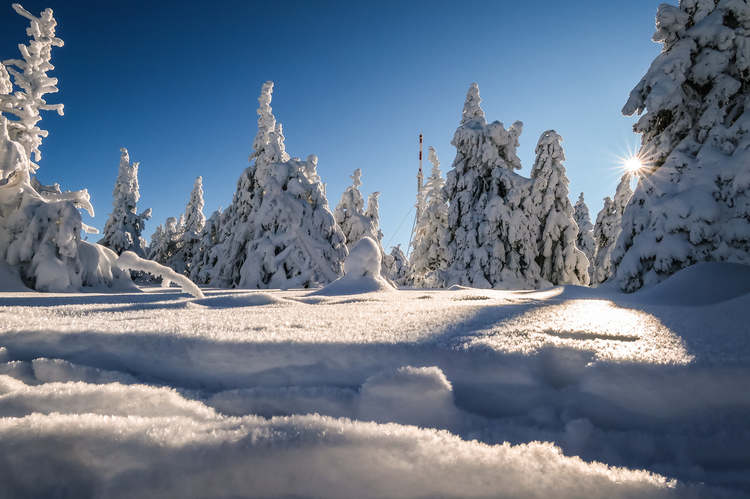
x: 559, y: 260
x: 190, y: 231
x: 123, y: 229
x: 354, y: 220
x: 607, y: 230
x: 693, y: 201
x: 279, y: 231
x: 585, y: 241
x: 398, y: 270
x: 490, y: 240
x: 428, y: 256
x: 40, y: 226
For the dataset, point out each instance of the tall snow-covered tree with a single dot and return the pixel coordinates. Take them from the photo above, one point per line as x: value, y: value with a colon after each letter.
x: 192, y: 225
x: 30, y: 77
x: 559, y: 260
x: 166, y: 244
x: 207, y: 252
x: 490, y: 241
x: 279, y: 231
x: 428, y: 256
x: 124, y: 227
x: 40, y: 226
x: 692, y: 202
x: 373, y: 214
x: 355, y: 221
x: 585, y: 241
x: 607, y: 229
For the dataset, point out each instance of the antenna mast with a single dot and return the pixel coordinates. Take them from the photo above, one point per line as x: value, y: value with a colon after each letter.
x: 420, y: 182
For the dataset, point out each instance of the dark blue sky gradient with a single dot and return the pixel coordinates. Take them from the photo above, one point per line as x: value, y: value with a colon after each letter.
x: 177, y: 84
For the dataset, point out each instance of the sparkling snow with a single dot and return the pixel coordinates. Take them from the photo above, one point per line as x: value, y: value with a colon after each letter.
x: 292, y: 393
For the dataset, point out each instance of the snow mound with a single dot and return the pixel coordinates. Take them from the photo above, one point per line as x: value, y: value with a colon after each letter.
x: 362, y: 272
x: 421, y: 396
x: 307, y: 456
x: 111, y: 399
x: 704, y: 283
x: 130, y: 261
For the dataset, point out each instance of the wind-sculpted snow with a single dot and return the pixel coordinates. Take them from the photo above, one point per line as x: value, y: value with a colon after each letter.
x: 157, y: 393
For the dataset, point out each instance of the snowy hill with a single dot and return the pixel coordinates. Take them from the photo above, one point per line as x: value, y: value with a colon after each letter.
x: 288, y: 393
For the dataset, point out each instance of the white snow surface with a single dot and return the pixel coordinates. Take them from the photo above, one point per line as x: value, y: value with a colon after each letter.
x: 566, y: 392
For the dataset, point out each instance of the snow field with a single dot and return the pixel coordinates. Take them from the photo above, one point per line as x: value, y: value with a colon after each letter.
x: 164, y: 378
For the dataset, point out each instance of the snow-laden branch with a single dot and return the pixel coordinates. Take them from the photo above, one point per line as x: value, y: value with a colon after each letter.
x: 130, y: 261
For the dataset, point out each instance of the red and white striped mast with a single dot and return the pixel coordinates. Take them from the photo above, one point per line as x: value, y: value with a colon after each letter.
x: 420, y: 180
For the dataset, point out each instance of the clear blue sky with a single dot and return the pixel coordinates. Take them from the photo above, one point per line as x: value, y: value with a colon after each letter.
x: 177, y: 82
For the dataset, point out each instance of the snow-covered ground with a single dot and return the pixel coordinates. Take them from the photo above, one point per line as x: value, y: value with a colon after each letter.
x: 566, y: 392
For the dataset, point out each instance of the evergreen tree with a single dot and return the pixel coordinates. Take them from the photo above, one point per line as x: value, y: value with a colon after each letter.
x: 585, y: 241
x: 166, y: 244
x: 558, y: 258
x: 692, y: 202
x: 490, y: 240
x: 428, y: 256
x: 398, y: 269
x: 32, y: 82
x: 207, y: 252
x: 354, y: 220
x: 193, y: 222
x: 608, y: 228
x: 279, y: 231
x: 40, y: 226
x: 123, y: 229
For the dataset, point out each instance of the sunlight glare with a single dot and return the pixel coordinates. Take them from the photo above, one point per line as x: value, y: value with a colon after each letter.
x: 633, y: 164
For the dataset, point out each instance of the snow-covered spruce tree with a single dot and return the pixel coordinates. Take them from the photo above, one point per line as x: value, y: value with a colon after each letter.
x: 123, y: 229
x: 279, y: 231
x: 607, y: 229
x: 355, y: 221
x: 166, y: 244
x: 692, y: 203
x: 585, y: 241
x: 491, y: 242
x: 157, y: 244
x: 428, y: 256
x: 208, y: 249
x: 399, y: 269
x: 40, y: 226
x: 559, y: 260
x: 192, y: 225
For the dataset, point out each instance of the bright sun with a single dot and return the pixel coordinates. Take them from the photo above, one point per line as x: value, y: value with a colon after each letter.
x: 633, y: 164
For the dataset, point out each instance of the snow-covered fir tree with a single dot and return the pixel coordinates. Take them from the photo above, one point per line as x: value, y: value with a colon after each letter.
x: 279, y: 231
x: 166, y: 244
x: 123, y: 229
x: 692, y: 202
x: 428, y: 256
x: 207, y: 252
x: 373, y: 215
x: 559, y: 260
x: 193, y: 222
x: 607, y: 229
x: 355, y: 221
x: 491, y: 242
x: 585, y: 241
x: 40, y: 226
x: 398, y: 270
